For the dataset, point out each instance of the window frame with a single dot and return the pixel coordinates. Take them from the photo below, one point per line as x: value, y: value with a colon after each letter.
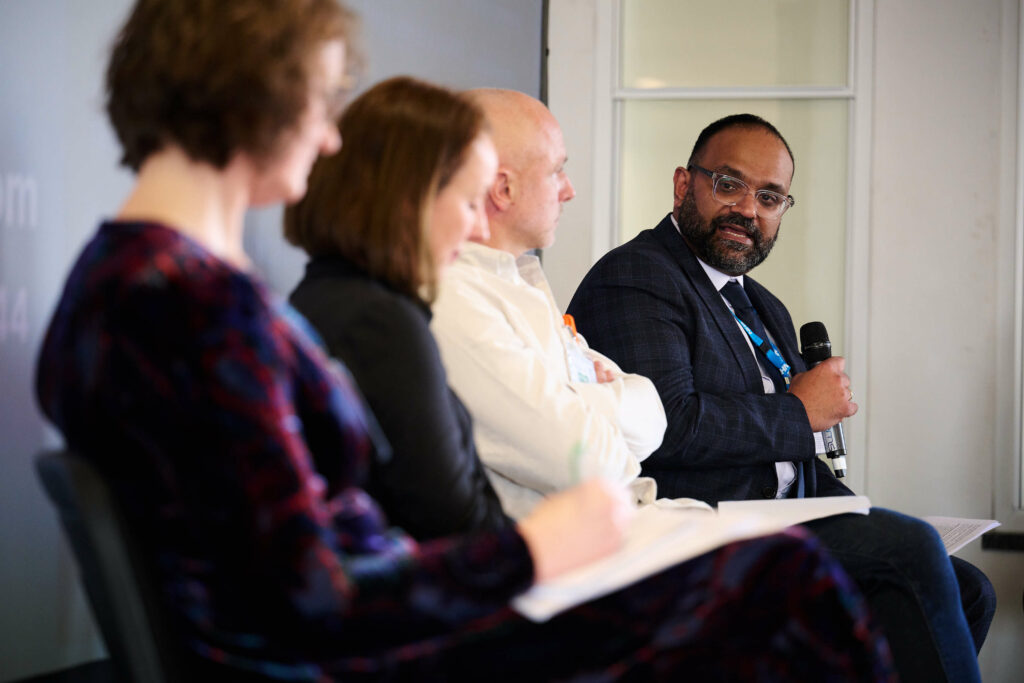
x: 586, y: 37
x: 583, y: 71
x: 1008, y: 468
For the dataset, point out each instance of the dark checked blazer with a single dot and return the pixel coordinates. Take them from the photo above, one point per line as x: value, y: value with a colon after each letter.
x: 649, y: 306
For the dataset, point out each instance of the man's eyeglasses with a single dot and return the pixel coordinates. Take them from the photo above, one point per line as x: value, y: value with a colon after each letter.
x: 731, y: 191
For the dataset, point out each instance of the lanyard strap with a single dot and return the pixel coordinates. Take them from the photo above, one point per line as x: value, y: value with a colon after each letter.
x: 770, y: 351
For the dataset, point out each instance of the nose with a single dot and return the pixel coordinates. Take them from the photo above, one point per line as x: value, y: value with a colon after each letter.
x: 747, y: 206
x: 568, y: 191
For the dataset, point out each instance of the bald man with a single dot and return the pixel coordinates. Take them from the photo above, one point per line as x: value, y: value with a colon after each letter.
x: 547, y: 410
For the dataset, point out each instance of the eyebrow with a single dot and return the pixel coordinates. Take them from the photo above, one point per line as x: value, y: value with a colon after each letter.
x: 729, y: 170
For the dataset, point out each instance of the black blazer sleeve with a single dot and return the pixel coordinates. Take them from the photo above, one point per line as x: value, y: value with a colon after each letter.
x: 433, y: 484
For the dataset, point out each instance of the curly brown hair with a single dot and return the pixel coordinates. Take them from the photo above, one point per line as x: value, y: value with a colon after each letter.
x: 216, y: 77
x: 402, y: 141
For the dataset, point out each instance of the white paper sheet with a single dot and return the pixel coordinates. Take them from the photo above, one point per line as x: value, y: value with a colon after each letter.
x: 796, y: 510
x: 957, y: 532
x: 661, y: 536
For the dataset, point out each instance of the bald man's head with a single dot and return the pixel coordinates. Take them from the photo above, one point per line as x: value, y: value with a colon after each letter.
x: 531, y: 185
x: 519, y: 123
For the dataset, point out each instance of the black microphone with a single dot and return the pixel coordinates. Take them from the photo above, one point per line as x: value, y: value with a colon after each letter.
x: 815, y: 347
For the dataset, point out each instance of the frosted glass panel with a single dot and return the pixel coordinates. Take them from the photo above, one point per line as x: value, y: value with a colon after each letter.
x: 807, y: 267
x: 697, y: 43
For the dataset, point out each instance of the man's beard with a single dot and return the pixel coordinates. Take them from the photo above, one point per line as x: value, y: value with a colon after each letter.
x: 728, y: 256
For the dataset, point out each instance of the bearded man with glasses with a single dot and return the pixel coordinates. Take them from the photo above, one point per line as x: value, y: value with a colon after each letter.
x: 675, y: 304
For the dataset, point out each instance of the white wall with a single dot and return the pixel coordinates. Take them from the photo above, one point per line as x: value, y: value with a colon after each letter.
x: 941, y: 235
x: 54, y: 136
x: 51, y: 135
x: 938, y: 397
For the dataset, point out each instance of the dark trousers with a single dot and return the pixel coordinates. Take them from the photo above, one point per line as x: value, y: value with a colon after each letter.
x: 922, y: 600
x: 978, y: 598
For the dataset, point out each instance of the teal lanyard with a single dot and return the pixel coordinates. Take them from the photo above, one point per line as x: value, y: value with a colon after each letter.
x: 769, y: 349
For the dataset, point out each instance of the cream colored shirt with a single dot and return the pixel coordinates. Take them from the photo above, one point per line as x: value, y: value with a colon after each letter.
x: 538, y: 429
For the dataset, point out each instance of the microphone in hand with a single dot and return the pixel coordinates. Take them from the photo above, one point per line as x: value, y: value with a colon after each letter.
x: 815, y: 347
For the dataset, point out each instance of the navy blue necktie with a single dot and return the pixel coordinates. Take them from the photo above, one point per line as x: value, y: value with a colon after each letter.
x: 735, y: 295
x: 744, y: 309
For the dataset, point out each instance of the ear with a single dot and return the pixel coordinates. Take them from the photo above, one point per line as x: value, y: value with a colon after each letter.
x: 502, y: 192
x: 680, y: 184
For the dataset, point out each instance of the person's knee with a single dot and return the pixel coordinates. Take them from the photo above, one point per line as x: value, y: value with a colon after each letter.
x: 885, y: 546
x: 908, y: 539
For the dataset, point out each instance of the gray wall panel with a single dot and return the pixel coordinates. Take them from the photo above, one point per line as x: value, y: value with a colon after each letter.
x: 59, y: 176
x: 458, y: 43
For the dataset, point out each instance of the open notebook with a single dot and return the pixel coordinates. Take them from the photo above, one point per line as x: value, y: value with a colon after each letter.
x: 669, y: 532
x: 664, y: 534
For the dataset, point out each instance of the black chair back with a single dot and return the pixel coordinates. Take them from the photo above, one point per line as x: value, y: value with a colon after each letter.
x: 121, y: 589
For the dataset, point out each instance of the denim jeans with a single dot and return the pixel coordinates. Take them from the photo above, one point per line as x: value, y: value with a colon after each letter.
x: 902, y: 568
x: 978, y: 597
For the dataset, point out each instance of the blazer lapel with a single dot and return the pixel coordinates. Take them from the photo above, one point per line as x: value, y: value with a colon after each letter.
x: 714, y: 307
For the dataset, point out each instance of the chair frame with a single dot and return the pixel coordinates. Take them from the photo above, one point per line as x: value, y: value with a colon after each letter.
x: 120, y: 585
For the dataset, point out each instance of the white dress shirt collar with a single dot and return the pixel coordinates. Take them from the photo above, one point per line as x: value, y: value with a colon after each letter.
x: 496, y: 261
x: 526, y: 268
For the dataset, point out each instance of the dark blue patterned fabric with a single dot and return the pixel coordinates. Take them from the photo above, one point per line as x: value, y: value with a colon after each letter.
x: 239, y: 454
